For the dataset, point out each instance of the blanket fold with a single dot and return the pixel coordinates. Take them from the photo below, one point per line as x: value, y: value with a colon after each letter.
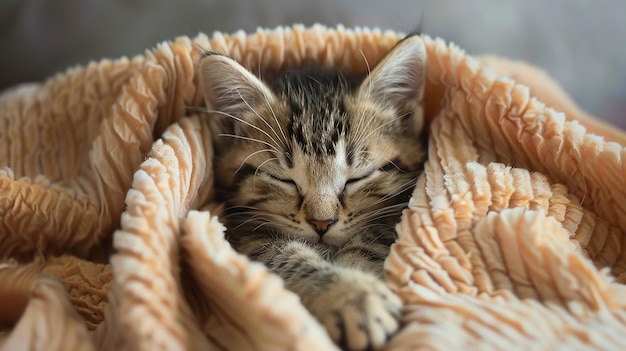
x: 513, y: 238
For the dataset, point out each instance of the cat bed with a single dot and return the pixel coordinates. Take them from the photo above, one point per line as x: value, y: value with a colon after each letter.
x: 513, y: 238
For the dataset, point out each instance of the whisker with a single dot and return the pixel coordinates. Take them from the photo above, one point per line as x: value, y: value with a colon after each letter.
x: 259, y: 226
x: 235, y: 207
x: 261, y: 118
x: 257, y: 170
x: 251, y: 155
x: 366, y: 62
x: 361, y: 119
x: 400, y: 189
x: 225, y: 114
x: 280, y: 128
x: 395, y: 166
x: 198, y: 109
x: 250, y: 139
x: 397, y: 208
x: 246, y: 222
x: 393, y: 120
x: 369, y: 71
x: 245, y: 217
x: 377, y: 219
x: 360, y: 128
x: 369, y: 227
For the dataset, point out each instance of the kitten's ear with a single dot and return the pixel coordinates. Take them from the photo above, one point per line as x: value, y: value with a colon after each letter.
x: 398, y: 80
x: 230, y: 88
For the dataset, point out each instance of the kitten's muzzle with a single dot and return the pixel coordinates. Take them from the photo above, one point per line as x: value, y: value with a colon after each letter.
x: 321, y: 225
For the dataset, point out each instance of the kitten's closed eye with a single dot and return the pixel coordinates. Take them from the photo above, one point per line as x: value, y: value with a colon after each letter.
x: 281, y: 179
x: 386, y: 168
x: 358, y: 179
x: 391, y: 166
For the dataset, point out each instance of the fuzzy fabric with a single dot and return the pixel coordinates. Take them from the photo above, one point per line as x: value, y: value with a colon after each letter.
x: 513, y: 239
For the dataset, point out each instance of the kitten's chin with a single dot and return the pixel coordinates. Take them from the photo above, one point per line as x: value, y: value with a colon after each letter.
x: 321, y: 243
x: 317, y: 241
x: 333, y: 241
x: 326, y: 246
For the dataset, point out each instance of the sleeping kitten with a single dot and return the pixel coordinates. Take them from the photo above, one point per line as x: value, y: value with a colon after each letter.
x: 315, y: 167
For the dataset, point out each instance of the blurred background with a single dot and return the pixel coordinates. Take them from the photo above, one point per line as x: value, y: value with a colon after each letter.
x: 581, y: 43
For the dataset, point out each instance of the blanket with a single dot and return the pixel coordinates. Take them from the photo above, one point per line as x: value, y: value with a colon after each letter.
x: 513, y: 238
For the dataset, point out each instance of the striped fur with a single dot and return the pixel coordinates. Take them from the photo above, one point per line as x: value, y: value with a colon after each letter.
x: 315, y: 167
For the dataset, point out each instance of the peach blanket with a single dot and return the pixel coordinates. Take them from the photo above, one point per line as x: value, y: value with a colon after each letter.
x: 514, y: 237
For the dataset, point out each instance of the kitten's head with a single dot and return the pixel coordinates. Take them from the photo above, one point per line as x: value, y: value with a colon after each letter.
x: 317, y: 155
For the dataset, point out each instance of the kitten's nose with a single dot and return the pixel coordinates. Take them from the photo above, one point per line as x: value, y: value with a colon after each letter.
x: 321, y: 225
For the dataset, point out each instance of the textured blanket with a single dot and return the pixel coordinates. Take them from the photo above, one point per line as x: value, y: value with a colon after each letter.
x: 514, y: 237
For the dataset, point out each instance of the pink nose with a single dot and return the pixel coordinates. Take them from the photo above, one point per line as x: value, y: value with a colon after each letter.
x: 321, y: 225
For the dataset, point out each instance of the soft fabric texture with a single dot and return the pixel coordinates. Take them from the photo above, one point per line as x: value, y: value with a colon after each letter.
x: 513, y: 238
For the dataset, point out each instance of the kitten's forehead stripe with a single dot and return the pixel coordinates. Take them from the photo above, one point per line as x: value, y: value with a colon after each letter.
x: 318, y: 109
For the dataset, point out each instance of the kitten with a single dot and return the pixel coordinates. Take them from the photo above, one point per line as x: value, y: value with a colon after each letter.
x: 315, y: 167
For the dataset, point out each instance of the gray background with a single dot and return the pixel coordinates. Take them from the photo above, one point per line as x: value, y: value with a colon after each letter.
x: 580, y: 43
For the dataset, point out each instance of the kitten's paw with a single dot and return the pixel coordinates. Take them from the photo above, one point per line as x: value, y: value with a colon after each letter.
x: 360, y: 312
